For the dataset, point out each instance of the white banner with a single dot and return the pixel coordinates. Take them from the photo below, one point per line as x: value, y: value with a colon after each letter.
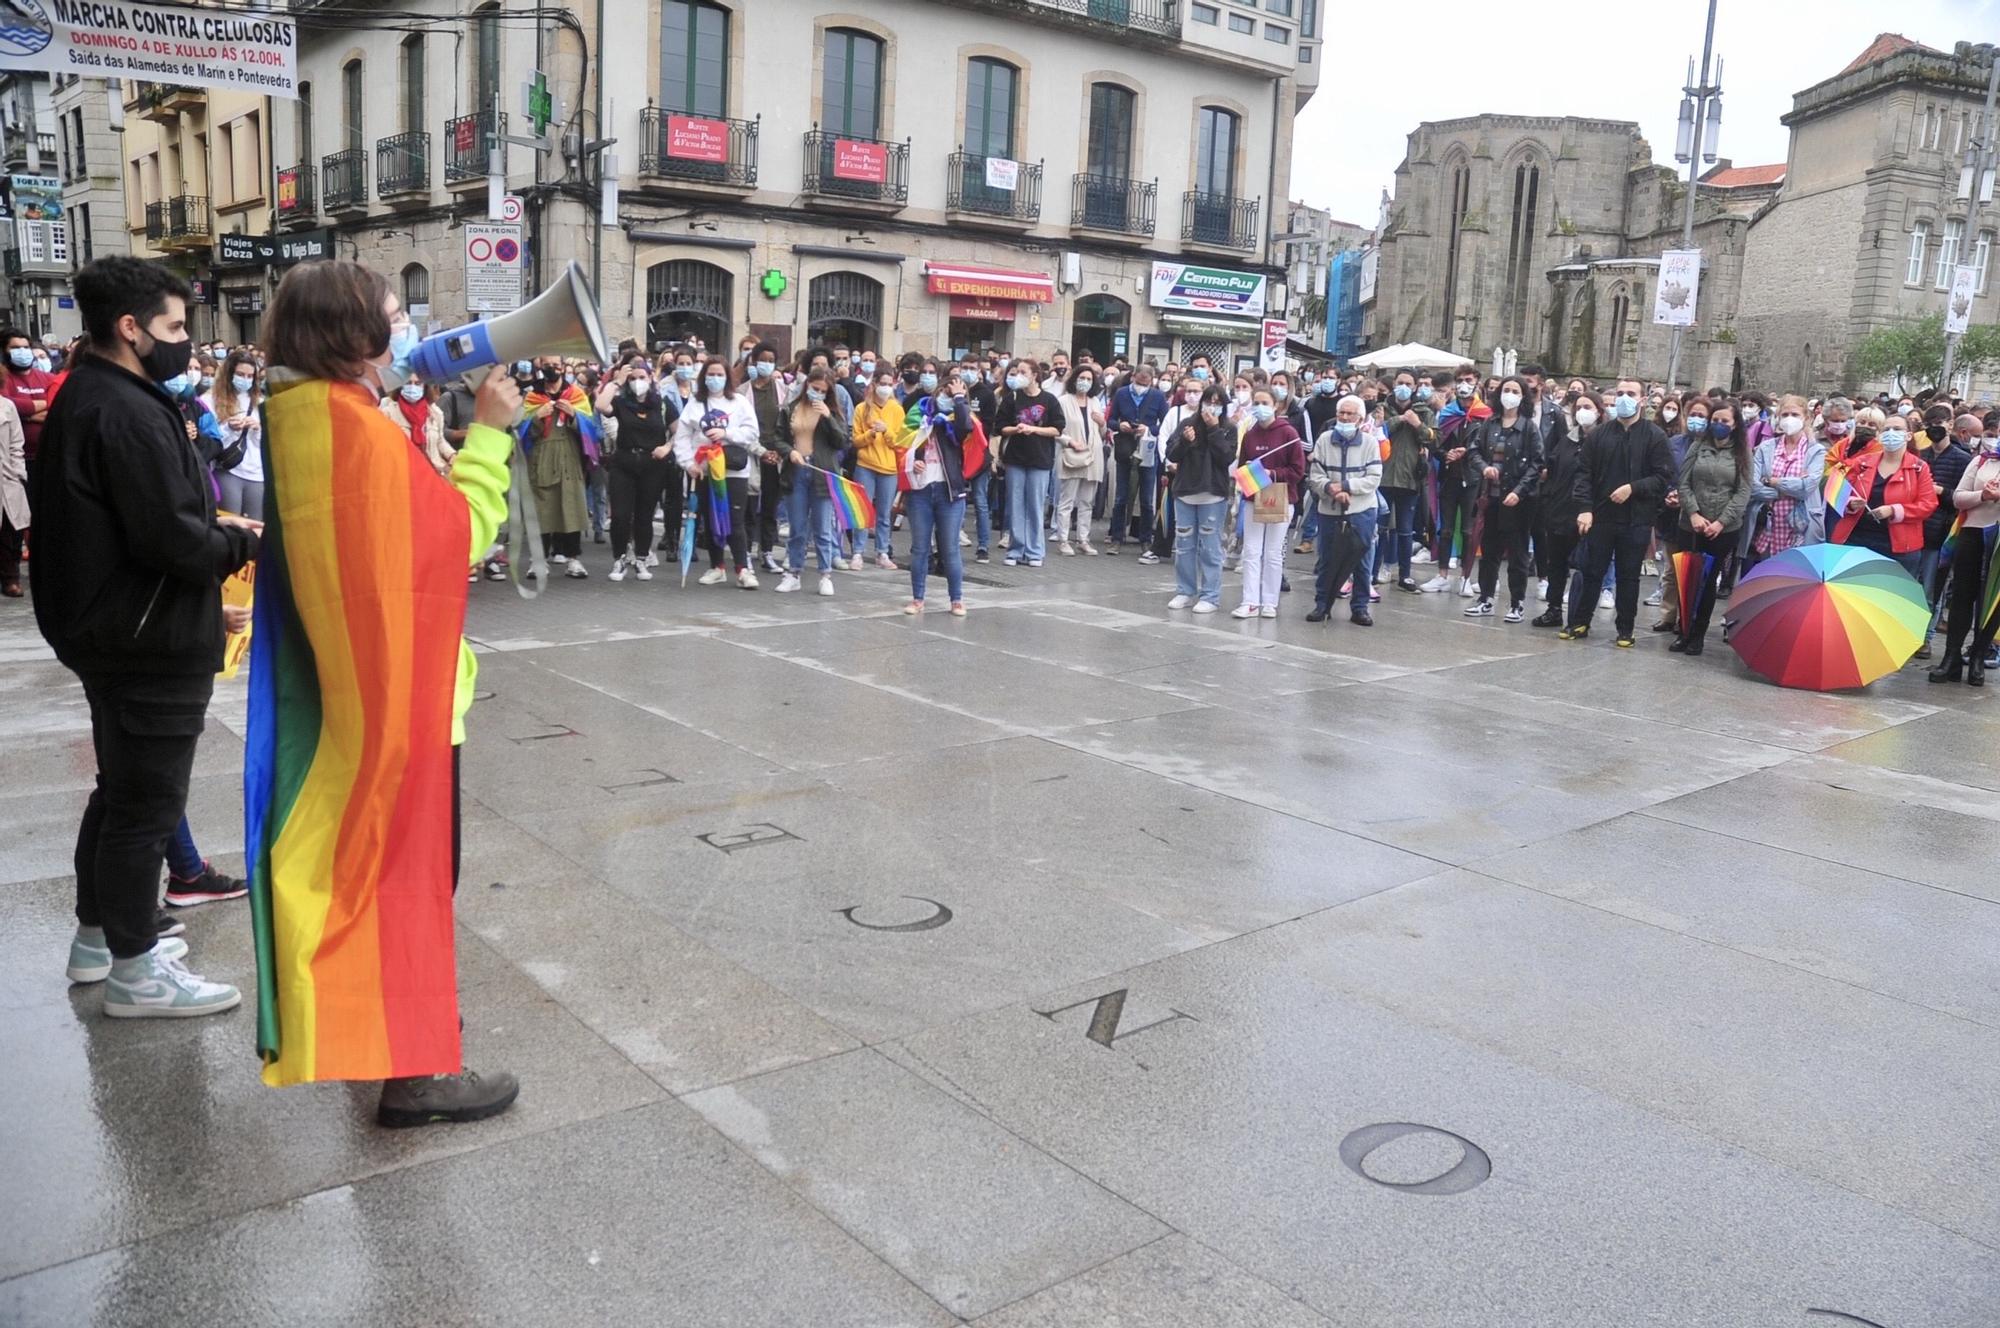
x: 1958, y: 307
x: 1002, y: 173
x: 172, y: 45
x: 1674, y: 297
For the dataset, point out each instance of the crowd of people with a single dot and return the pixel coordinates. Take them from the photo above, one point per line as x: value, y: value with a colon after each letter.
x: 134, y: 470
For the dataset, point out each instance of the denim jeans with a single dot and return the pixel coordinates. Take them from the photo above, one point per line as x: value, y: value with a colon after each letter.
x: 1027, y: 499
x: 1198, y: 549
x: 933, y: 511
x: 1132, y: 515
x: 1324, y: 587
x: 1403, y: 514
x: 183, y: 858
x: 810, y: 507
x: 1927, y: 576
x: 881, y: 491
x: 977, y: 489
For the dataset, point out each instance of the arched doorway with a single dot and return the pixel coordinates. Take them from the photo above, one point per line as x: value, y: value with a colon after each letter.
x: 1102, y: 325
x: 844, y: 306
x: 687, y: 299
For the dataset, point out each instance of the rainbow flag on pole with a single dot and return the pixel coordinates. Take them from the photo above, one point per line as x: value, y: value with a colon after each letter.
x: 1252, y: 478
x: 347, y: 778
x: 851, y: 505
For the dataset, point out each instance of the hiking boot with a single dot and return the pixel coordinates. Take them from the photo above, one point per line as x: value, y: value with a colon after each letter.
x: 155, y: 986
x: 208, y: 886
x: 90, y: 957
x: 445, y: 1099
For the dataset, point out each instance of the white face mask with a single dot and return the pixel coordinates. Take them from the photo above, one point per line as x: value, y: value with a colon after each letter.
x: 413, y: 392
x: 1510, y: 400
x: 1790, y: 424
x: 640, y: 387
x: 1585, y: 417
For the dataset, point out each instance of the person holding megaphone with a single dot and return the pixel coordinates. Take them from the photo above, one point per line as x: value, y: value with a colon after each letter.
x: 359, y: 684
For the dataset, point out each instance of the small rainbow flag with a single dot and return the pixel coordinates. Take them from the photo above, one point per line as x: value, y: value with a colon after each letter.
x: 1252, y: 478
x: 709, y: 457
x: 1950, y: 540
x: 1838, y: 489
x: 851, y: 506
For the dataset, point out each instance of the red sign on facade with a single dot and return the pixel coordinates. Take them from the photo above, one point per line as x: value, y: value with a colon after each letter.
x: 985, y: 311
x: 288, y: 191
x: 692, y: 138
x: 860, y: 161
x: 464, y: 134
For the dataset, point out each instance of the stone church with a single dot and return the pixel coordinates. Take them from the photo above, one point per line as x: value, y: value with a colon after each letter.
x: 1541, y: 235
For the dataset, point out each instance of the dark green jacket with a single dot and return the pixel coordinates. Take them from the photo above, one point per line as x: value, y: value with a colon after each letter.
x: 1405, y: 468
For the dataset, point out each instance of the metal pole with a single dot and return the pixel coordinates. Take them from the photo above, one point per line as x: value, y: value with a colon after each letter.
x: 1982, y: 163
x: 1701, y: 95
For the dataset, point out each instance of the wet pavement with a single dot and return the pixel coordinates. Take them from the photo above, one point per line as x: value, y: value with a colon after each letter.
x: 1076, y: 963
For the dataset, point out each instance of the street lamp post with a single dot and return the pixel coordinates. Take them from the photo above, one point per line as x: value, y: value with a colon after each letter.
x: 1978, y: 164
x: 1701, y: 125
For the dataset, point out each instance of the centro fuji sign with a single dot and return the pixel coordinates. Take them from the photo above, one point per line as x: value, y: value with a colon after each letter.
x: 1208, y: 290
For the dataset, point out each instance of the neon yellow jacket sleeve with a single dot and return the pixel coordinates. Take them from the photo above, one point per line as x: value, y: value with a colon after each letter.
x: 479, y: 471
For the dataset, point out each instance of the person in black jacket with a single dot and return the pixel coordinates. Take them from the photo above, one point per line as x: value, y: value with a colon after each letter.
x: 1562, y: 503
x: 1504, y: 458
x: 1627, y: 469
x: 642, y: 470
x: 1030, y: 420
x: 129, y: 562
x: 1198, y: 457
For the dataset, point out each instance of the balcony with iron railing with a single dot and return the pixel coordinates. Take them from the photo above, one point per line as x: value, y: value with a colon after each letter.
x: 1218, y: 221
x: 180, y: 222
x: 165, y: 102
x: 845, y: 170
x: 468, y: 145
x: 1112, y: 206
x: 1153, y: 19
x: 297, y: 205
x: 344, y: 180
x: 403, y: 165
x: 982, y: 189
x: 706, y: 152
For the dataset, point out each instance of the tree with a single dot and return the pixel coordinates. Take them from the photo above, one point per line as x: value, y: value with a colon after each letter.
x: 1913, y: 351
x: 1312, y: 311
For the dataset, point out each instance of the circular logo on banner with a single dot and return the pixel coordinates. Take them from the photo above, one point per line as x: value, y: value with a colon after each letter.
x: 510, y: 208
x: 24, y: 28
x: 507, y: 251
x: 479, y: 250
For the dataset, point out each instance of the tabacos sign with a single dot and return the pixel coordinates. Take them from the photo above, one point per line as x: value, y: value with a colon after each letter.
x: 1209, y: 290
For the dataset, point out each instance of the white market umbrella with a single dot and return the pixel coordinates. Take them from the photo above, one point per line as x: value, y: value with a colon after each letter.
x: 1408, y: 355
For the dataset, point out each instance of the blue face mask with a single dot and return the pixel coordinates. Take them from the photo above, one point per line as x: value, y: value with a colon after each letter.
x: 762, y: 370
x: 21, y: 357
x: 403, y: 343
x: 1325, y: 387
x: 242, y: 385
x: 177, y: 386
x: 928, y: 382
x: 1346, y: 430
x: 868, y: 368
x: 684, y: 372
x: 1402, y: 391
x: 814, y: 394
x: 1264, y: 414
x: 1199, y: 373
x: 1016, y: 381
x: 716, y: 382
x: 1697, y: 425
x: 1280, y: 391
x: 1625, y: 407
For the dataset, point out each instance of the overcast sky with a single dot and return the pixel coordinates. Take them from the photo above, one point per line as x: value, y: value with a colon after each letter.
x: 1585, y: 58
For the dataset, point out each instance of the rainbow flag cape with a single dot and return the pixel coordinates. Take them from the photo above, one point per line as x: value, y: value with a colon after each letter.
x: 851, y: 505
x: 347, y: 779
x: 709, y: 457
x: 1252, y: 478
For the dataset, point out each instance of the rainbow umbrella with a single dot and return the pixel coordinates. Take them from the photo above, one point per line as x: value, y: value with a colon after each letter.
x: 1827, y: 616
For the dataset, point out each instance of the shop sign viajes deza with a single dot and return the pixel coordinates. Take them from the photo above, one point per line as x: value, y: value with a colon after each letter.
x: 1208, y: 290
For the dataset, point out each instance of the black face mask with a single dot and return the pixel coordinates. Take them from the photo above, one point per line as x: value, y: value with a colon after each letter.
x: 1935, y: 432
x: 167, y: 359
x: 910, y: 377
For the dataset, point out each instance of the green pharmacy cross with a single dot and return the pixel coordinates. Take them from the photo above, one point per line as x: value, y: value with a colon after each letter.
x: 541, y: 106
x: 774, y: 283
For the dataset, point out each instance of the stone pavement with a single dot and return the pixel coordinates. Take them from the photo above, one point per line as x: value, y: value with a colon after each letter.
x: 1073, y: 965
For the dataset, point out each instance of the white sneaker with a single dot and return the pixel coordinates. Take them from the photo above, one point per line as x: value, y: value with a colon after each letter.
x: 825, y: 585
x: 1089, y: 549
x: 1436, y: 585
x: 1466, y: 590
x: 644, y: 571
x: 964, y: 540
x: 1453, y: 564
x: 746, y: 580
x: 90, y: 958
x: 1544, y: 591
x: 1420, y: 555
x: 1516, y: 612
x: 1267, y: 612
x: 855, y: 564
x: 714, y: 576
x: 576, y: 571
x: 618, y: 567
x: 559, y: 559
x: 1479, y: 609
x: 885, y: 562
x: 1180, y: 601
x: 1653, y: 600
x: 153, y: 986
x: 653, y: 558
x: 771, y: 563
x: 1065, y: 550
x: 1006, y: 541
x: 1244, y: 611
x: 1205, y: 606
x: 787, y: 584
x: 1607, y: 601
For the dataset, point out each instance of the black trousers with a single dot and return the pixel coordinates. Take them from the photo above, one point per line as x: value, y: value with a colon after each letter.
x: 1720, y: 549
x: 770, y: 499
x: 1626, y: 545
x: 1558, y: 547
x: 636, y: 483
x: 1505, y: 535
x: 10, y: 550
x: 144, y: 729
x: 1968, y: 578
x: 569, y: 544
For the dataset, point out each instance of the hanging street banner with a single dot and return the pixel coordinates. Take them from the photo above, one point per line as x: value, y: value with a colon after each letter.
x: 171, y: 45
x: 1958, y: 306
x: 1273, y: 357
x: 1212, y: 290
x: 1674, y: 297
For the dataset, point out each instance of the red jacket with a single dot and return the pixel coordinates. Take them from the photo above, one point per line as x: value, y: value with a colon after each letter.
x: 1280, y: 448
x: 1911, y: 491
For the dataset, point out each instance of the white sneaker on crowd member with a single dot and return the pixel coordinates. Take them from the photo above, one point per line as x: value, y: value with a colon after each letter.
x: 772, y: 564
x: 825, y: 584
x: 1149, y: 558
x: 746, y: 580
x: 1267, y: 612
x: 653, y: 558
x: 90, y: 958
x: 1437, y: 585
x: 1453, y: 564
x: 576, y: 571
x: 1244, y: 610
x: 1420, y: 555
x: 886, y: 563
x: 618, y: 567
x: 1542, y: 589
x: 1607, y: 601
x: 1466, y: 590
x: 1516, y: 612
x: 153, y: 986
x: 1205, y: 606
x: 1654, y: 600
x: 1065, y: 549
x: 1089, y: 549
x: 643, y: 571
x: 558, y: 558
x: 964, y: 540
x: 1180, y: 601
x: 1006, y: 540
x: 1482, y: 608
x: 714, y: 576
x: 787, y: 584
x: 855, y: 563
